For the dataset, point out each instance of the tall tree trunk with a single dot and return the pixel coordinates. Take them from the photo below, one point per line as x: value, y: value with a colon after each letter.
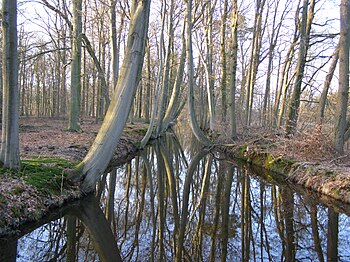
x: 115, y: 52
x: 343, y: 91
x: 102, y: 150
x: 74, y: 109
x: 9, y: 155
x: 254, y: 60
x: 307, y: 17
x: 233, y: 72
x: 223, y: 63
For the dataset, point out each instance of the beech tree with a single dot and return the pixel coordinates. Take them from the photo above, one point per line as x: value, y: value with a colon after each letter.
x: 199, y: 134
x: 343, y: 92
x: 305, y: 28
x: 74, y: 110
x: 9, y: 155
x: 102, y: 150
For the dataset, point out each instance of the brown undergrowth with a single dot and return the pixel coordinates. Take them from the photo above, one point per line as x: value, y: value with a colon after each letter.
x: 46, y: 151
x: 308, y: 159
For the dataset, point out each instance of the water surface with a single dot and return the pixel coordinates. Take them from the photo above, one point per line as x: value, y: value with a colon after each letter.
x: 181, y: 202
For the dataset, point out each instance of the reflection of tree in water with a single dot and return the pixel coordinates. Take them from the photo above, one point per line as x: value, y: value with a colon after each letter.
x: 164, y: 207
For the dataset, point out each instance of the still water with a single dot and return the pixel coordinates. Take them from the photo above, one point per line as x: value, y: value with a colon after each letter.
x: 174, y: 202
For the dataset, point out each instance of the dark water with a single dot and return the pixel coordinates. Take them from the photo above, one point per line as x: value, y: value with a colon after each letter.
x: 191, y: 205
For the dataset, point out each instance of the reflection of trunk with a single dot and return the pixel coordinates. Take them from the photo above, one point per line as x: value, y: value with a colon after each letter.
x: 216, y: 216
x: 198, y: 235
x: 225, y: 213
x: 151, y: 192
x: 315, y: 234
x: 161, y: 204
x: 95, y: 222
x: 111, y: 192
x: 71, y: 238
x: 172, y: 185
x: 245, y: 218
x: 288, y: 210
x: 185, y: 200
x: 278, y: 216
x: 332, y: 235
x: 139, y: 214
x: 127, y: 199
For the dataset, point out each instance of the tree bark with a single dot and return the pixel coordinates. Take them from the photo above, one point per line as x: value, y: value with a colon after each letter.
x: 9, y: 155
x: 343, y: 91
x: 74, y: 109
x: 233, y: 72
x: 307, y: 17
x: 102, y: 150
x: 190, y: 71
x: 327, y: 83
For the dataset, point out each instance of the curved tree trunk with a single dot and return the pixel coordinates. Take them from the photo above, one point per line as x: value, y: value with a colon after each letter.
x: 149, y: 132
x: 174, y: 103
x: 190, y: 68
x: 9, y: 155
x: 102, y: 150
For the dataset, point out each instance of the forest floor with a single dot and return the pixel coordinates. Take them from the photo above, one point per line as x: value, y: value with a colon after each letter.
x: 46, y: 145
x: 44, y: 142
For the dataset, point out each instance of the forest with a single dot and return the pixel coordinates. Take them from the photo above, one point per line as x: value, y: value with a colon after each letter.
x: 226, y: 68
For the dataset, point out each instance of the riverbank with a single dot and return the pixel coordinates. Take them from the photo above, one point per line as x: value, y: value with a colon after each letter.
x: 47, y: 151
x: 308, y: 160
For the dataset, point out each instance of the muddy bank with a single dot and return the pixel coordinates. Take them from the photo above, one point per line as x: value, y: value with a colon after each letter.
x: 47, y: 152
x: 328, y: 179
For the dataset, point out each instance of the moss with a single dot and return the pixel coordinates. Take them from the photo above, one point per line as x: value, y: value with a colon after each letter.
x: 279, y: 164
x: 16, y: 213
x: 46, y: 174
x: 17, y: 191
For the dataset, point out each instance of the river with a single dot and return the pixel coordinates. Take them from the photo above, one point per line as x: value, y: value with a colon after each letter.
x: 175, y: 201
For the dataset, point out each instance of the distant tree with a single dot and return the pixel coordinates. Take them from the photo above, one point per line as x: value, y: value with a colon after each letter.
x: 305, y: 29
x: 343, y: 92
x: 9, y: 155
x: 233, y: 71
x: 74, y: 109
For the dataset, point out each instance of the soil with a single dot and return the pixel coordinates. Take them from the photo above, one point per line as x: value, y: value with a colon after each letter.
x: 42, y: 138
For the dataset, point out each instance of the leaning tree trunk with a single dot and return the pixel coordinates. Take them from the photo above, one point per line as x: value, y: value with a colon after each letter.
x: 326, y: 85
x: 9, y: 155
x: 100, y: 153
x: 190, y: 71
x: 343, y: 92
